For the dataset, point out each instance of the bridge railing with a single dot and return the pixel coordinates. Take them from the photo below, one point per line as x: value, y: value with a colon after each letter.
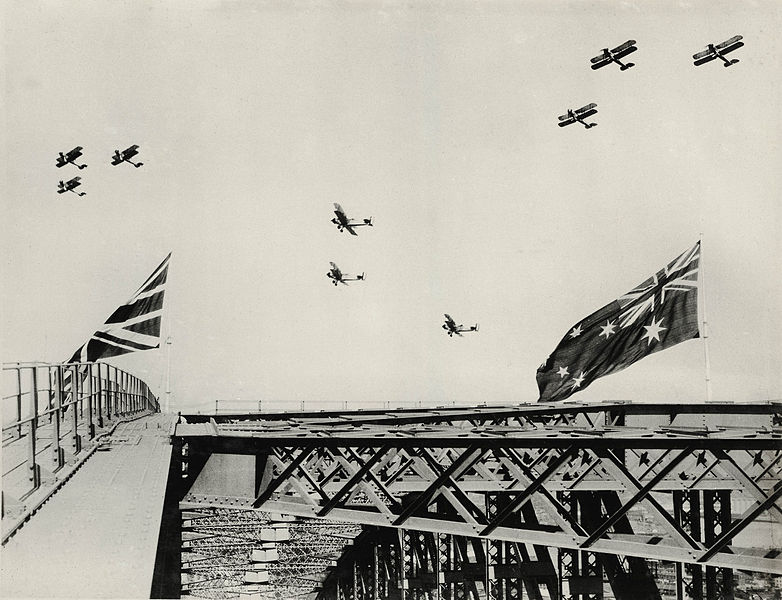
x: 60, y: 409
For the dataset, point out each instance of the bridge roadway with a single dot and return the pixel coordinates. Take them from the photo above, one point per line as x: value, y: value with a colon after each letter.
x: 97, y: 536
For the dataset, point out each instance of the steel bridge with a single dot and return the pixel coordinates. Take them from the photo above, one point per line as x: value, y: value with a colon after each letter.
x: 567, y: 501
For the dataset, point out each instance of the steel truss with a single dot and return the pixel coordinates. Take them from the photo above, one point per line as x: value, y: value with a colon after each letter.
x: 481, y: 491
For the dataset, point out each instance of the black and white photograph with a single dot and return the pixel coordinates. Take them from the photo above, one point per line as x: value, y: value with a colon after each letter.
x: 391, y: 299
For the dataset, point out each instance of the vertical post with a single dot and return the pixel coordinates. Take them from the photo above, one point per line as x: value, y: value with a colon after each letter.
x: 49, y: 395
x: 687, y: 512
x: 167, y: 407
x: 705, y: 332
x: 106, y: 384
x: 99, y: 397
x: 123, y: 395
x: 18, y: 400
x: 33, y: 471
x: 57, y: 408
x: 376, y: 570
x: 123, y: 392
x: 90, y: 402
x: 75, y: 438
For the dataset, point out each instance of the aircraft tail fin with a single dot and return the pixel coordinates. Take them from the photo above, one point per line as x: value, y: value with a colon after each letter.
x: 368, y: 221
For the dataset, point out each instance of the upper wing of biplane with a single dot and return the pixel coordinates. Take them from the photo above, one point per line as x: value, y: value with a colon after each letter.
x: 624, y: 49
x: 449, y: 320
x: 704, y: 55
x: 341, y: 216
x: 731, y: 44
x: 603, y: 58
x: 587, y: 111
x: 130, y: 152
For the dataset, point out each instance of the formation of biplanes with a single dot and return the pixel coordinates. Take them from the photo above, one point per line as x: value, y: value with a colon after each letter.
x: 335, y: 274
x: 616, y: 56
x: 70, y: 158
x: 344, y: 223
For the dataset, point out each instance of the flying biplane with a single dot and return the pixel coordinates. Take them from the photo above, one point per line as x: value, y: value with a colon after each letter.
x: 609, y: 56
x: 451, y: 327
x: 342, y: 222
x: 579, y: 115
x: 713, y: 51
x: 125, y: 156
x: 70, y: 185
x: 338, y: 276
x: 70, y: 157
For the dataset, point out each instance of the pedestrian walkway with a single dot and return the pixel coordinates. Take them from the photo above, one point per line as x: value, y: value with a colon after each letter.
x: 97, y: 536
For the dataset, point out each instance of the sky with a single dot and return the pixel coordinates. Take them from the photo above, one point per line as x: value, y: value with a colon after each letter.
x: 438, y: 120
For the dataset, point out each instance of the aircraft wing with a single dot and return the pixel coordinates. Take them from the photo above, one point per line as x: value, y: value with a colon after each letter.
x: 569, y: 121
x: 624, y: 52
x: 349, y: 227
x: 730, y: 42
x: 584, y: 109
x: 61, y: 161
x: 602, y: 58
x: 449, y: 320
x: 75, y: 153
x: 704, y: 59
x: 588, y: 113
x: 626, y: 46
x: 735, y: 46
x: 703, y: 54
x: 130, y: 152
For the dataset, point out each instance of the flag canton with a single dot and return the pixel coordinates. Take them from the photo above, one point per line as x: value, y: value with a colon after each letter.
x: 658, y: 313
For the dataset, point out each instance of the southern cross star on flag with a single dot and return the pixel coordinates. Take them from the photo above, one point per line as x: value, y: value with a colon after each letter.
x: 657, y: 314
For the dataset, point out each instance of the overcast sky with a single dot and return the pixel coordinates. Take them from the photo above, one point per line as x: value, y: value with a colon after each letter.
x: 439, y: 120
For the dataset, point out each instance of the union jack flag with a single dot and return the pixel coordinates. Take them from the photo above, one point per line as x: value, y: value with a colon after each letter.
x: 657, y: 314
x: 134, y: 326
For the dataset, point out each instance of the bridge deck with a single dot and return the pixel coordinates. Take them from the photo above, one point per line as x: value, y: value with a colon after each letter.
x: 99, y: 536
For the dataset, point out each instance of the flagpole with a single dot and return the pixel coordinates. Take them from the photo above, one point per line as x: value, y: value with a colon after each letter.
x: 705, y: 331
x: 167, y: 407
x: 169, y: 342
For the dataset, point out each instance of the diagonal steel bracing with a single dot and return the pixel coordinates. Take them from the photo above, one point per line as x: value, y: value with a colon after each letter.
x: 388, y: 475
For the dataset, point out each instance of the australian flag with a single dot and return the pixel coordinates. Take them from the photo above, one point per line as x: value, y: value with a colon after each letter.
x: 658, y: 313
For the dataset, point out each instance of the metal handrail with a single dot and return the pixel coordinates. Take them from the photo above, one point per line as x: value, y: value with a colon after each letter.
x: 89, y: 395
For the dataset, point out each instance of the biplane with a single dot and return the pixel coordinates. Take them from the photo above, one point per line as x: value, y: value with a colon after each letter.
x: 451, y: 327
x: 579, y: 115
x: 338, y: 276
x: 125, y: 156
x: 70, y: 185
x: 713, y: 51
x: 343, y: 222
x: 609, y: 56
x: 70, y: 157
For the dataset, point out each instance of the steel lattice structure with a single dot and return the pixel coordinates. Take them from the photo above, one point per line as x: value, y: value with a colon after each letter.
x: 477, y: 497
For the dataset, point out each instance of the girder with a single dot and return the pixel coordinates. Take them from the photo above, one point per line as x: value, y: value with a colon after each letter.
x: 360, y: 475
x: 481, y: 498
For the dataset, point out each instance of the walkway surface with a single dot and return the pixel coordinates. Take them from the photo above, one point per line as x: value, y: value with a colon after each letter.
x: 97, y: 536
